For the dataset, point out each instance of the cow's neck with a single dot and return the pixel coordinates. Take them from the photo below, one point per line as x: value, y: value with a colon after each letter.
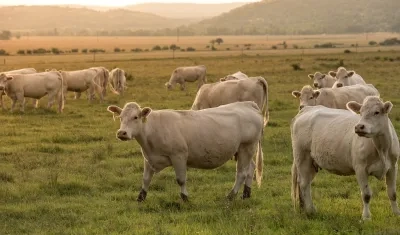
x: 142, y: 139
x: 383, y: 142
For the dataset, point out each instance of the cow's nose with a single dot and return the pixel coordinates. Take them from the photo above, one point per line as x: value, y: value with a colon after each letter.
x: 316, y: 85
x: 359, y: 127
x: 122, y: 135
x: 301, y: 107
x: 1, y: 88
x: 339, y: 85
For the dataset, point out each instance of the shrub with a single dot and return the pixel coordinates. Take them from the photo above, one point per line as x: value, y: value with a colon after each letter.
x: 165, y: 48
x: 95, y: 50
x: 228, y: 49
x: 190, y: 49
x: 156, y: 48
x: 146, y: 49
x: 347, y: 51
x: 75, y: 50
x: 296, y: 67
x: 21, y: 52
x: 207, y: 46
x: 340, y: 64
x: 117, y: 49
x: 390, y: 42
x: 84, y: 50
x: 40, y: 51
x: 213, y: 48
x: 3, y: 52
x: 274, y: 47
x: 55, y: 50
x: 325, y: 45
x: 183, y: 49
x: 136, y: 50
x: 372, y: 43
x: 29, y: 52
x: 295, y: 46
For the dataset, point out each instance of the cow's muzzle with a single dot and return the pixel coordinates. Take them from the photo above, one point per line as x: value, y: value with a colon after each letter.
x: 122, y: 135
x: 2, y: 88
x: 359, y: 129
x: 316, y: 85
x: 301, y: 107
x: 339, y: 85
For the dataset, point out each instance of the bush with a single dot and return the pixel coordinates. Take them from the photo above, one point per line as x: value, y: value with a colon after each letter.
x: 29, y: 52
x: 117, y: 49
x: 274, y: 47
x: 40, y: 51
x: 165, y: 48
x: 136, y: 50
x: 95, y: 50
x: 55, y: 50
x: 296, y: 67
x: 84, y: 50
x: 190, y: 49
x: 390, y: 42
x: 213, y: 48
x: 75, y: 50
x: 347, y: 51
x: 228, y: 49
x: 183, y: 49
x: 156, y: 48
x: 3, y: 52
x: 372, y: 43
x: 207, y: 46
x: 295, y: 46
x: 325, y: 45
x: 21, y: 52
x: 146, y: 50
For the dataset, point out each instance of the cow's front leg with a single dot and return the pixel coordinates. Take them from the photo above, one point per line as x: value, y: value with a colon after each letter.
x: 183, y: 86
x: 1, y: 101
x: 391, y: 188
x: 366, y: 192
x: 77, y: 95
x: 148, y: 173
x: 179, y: 163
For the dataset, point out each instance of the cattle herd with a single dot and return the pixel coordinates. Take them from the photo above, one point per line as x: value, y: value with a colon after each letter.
x: 342, y: 126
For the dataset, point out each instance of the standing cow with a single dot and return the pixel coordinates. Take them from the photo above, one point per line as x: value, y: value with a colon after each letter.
x: 346, y: 78
x: 322, y: 80
x: 236, y: 76
x: 333, y: 97
x: 118, y: 81
x: 13, y: 72
x: 82, y: 80
x: 345, y: 143
x: 220, y: 93
x: 203, y: 139
x: 101, y: 79
x: 36, y: 85
x: 182, y: 75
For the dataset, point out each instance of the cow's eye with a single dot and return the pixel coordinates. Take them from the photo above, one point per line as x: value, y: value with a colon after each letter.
x: 376, y: 113
x: 311, y: 97
x: 135, y: 117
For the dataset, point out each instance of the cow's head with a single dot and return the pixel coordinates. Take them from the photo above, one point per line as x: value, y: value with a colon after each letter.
x: 318, y: 78
x: 307, y: 96
x: 132, y: 119
x: 374, y: 116
x: 4, y: 78
x: 342, y: 77
x: 168, y: 85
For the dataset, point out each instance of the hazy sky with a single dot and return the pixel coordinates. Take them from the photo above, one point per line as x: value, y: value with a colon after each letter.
x: 109, y: 2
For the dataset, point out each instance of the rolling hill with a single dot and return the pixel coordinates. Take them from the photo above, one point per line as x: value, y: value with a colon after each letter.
x: 306, y: 17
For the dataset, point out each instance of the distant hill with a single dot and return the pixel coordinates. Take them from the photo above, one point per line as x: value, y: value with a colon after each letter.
x: 67, y: 18
x: 185, y: 10
x: 306, y: 17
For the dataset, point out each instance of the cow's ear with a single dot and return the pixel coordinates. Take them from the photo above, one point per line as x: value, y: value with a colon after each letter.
x: 333, y: 74
x: 350, y: 73
x: 387, y: 107
x: 316, y: 94
x: 9, y: 78
x: 311, y: 76
x: 296, y: 94
x: 354, y: 107
x: 114, y: 110
x: 222, y: 79
x: 145, y: 112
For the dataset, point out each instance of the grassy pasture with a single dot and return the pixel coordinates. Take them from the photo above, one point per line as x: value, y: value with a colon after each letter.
x: 67, y: 174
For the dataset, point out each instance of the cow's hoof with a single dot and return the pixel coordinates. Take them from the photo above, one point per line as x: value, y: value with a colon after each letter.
x: 246, y: 192
x: 184, y: 197
x: 142, y: 196
x: 231, y: 196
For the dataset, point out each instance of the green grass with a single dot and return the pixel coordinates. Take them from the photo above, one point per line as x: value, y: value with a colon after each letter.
x: 67, y: 174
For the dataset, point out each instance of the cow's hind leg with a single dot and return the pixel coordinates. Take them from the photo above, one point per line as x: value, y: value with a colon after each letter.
x: 391, y: 188
x: 52, y: 98
x: 306, y: 174
x: 244, y: 157
x: 366, y: 193
x: 249, y: 180
x: 180, y: 168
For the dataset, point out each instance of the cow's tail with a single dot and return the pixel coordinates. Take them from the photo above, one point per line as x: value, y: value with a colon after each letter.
x: 105, y: 81
x: 98, y: 88
x: 61, y: 94
x: 259, y: 162
x: 295, y: 185
x: 264, y: 109
x: 111, y: 82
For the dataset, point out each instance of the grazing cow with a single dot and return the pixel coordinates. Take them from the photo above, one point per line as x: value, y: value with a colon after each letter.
x: 333, y: 97
x: 118, y: 81
x: 215, y: 94
x: 18, y: 71
x: 322, y: 80
x: 101, y: 79
x: 34, y: 86
x: 345, y: 143
x: 187, y: 74
x: 82, y: 80
x: 346, y: 78
x: 203, y: 139
x: 236, y: 76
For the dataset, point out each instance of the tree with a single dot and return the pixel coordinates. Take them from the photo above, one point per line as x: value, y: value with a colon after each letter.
x: 5, y: 35
x: 219, y: 41
x: 173, y: 47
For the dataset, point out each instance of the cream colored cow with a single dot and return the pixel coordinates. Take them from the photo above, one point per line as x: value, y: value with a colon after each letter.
x: 215, y: 94
x: 101, y: 79
x: 333, y: 97
x: 203, y: 139
x: 322, y: 80
x: 37, y: 85
x: 118, y: 81
x: 345, y: 143
x: 346, y: 78
x: 82, y: 80
x: 236, y: 76
x: 182, y: 75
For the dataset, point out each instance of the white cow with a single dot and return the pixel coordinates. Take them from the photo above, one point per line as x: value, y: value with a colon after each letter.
x: 101, y: 79
x: 117, y: 81
x: 236, y: 76
x: 37, y: 85
x: 13, y: 72
x: 346, y: 78
x: 182, y: 75
x: 345, y: 143
x: 215, y: 94
x: 333, y: 97
x: 82, y: 80
x: 203, y: 139
x: 322, y: 80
